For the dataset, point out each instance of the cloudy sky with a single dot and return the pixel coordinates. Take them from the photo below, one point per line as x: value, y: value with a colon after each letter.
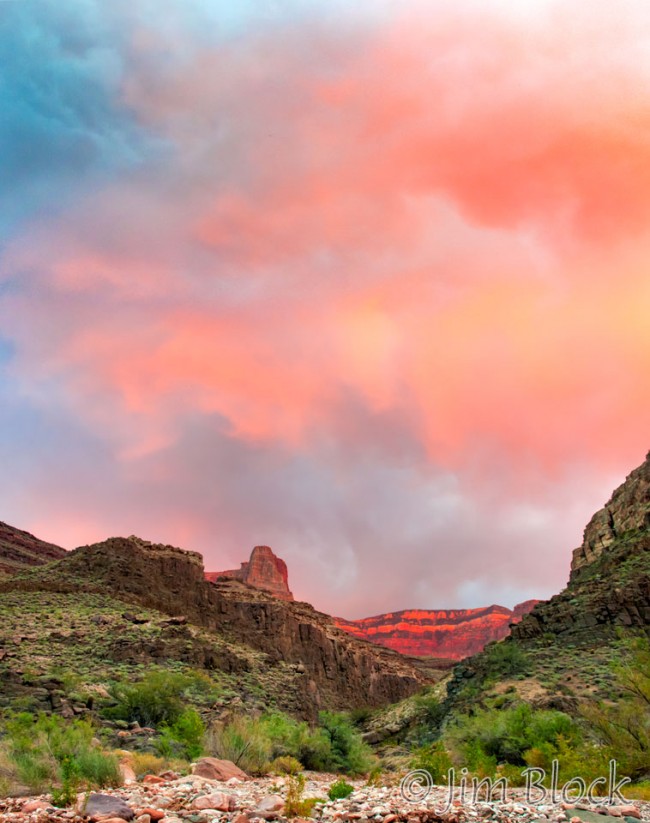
x: 366, y: 282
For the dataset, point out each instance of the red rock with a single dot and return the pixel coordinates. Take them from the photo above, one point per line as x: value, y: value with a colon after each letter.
x: 153, y: 780
x: 35, y: 805
x: 264, y: 571
x: 628, y: 811
x: 127, y: 773
x: 241, y: 818
x: 154, y: 814
x: 269, y: 806
x: 215, y: 769
x: 450, y: 633
x: 219, y: 801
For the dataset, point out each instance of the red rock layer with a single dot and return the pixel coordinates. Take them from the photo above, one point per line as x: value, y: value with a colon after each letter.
x: 264, y: 570
x: 451, y: 633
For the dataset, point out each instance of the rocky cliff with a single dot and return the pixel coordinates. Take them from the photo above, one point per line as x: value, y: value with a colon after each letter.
x: 20, y: 549
x: 609, y: 585
x: 336, y: 670
x: 264, y: 571
x: 450, y: 633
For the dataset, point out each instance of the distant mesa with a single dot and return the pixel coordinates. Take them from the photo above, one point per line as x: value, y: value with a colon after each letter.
x: 450, y: 633
x: 264, y: 571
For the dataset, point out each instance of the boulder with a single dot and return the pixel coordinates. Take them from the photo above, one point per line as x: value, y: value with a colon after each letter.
x: 106, y: 807
x: 214, y: 769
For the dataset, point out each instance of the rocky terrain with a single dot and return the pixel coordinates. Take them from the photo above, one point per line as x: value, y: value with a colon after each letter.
x: 264, y: 571
x: 197, y: 798
x: 20, y: 549
x: 446, y: 633
x: 220, y: 626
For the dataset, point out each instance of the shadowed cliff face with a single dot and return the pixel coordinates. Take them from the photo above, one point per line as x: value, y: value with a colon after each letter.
x: 20, y: 549
x: 264, y: 570
x: 338, y: 670
x: 451, y: 633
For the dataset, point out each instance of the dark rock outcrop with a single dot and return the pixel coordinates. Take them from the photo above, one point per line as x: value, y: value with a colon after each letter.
x: 264, y: 571
x: 448, y: 633
x: 20, y: 549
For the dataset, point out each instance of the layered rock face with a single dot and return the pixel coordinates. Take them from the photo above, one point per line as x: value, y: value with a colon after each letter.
x: 20, y: 549
x: 336, y: 670
x: 609, y: 584
x: 451, y: 633
x: 264, y: 571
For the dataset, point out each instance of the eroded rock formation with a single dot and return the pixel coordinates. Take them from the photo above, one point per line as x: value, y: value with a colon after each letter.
x: 264, y: 571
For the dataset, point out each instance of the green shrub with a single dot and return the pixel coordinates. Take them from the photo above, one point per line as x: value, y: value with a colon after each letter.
x: 286, y: 765
x: 42, y: 752
x: 184, y: 737
x: 348, y: 751
x: 155, y: 700
x: 340, y: 790
x: 490, y: 737
x: 505, y: 658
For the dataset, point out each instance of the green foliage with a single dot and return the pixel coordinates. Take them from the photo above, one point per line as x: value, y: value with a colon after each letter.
x: 252, y: 742
x: 433, y: 759
x: 340, y: 790
x: 184, y: 737
x: 623, y: 729
x: 505, y: 658
x: 286, y: 764
x: 295, y: 805
x: 488, y: 738
x: 46, y: 751
x: 348, y: 751
x: 155, y: 700
x: 243, y: 740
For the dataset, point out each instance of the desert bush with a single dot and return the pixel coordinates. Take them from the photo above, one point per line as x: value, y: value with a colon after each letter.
x: 45, y: 751
x: 144, y: 763
x: 286, y: 765
x: 295, y: 805
x: 340, y: 790
x: 243, y: 740
x: 433, y: 759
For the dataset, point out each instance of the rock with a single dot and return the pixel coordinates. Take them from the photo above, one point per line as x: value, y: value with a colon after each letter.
x: 628, y: 811
x: 105, y: 806
x: 270, y: 806
x: 153, y: 780
x: 264, y: 571
x: 241, y: 818
x: 127, y: 773
x: 220, y: 802
x: 215, y: 769
x: 143, y: 818
x: 35, y: 806
x: 154, y: 814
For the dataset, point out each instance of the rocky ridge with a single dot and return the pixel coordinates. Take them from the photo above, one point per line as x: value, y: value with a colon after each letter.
x: 20, y: 549
x: 445, y: 633
x: 335, y: 670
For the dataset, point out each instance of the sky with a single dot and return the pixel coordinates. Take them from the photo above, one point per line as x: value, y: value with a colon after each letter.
x: 365, y: 282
